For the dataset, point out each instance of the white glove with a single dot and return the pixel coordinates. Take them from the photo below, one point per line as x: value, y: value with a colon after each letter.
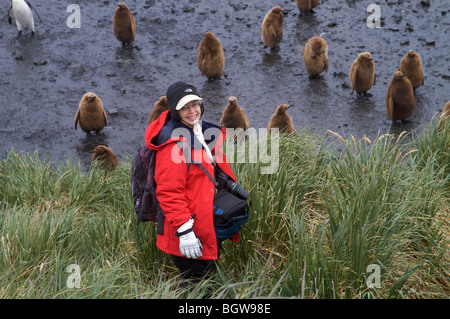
x: 190, y: 245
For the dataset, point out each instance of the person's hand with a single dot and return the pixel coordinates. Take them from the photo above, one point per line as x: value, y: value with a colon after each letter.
x: 190, y: 245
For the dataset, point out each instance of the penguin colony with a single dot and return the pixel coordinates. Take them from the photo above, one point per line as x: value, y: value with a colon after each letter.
x: 399, y: 98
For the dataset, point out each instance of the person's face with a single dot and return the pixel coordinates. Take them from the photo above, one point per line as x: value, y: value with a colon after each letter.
x: 190, y: 113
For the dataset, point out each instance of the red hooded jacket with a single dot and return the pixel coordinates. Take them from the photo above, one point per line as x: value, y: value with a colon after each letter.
x: 182, y: 193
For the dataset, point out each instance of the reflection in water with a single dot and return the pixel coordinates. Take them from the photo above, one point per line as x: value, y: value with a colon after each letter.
x: 25, y: 51
x: 270, y: 58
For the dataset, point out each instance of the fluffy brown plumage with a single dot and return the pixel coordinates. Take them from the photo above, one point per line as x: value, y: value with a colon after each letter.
x: 400, y: 103
x: 362, y: 73
x: 281, y: 120
x: 106, y: 157
x: 307, y: 5
x: 315, y: 56
x: 234, y: 116
x: 124, y: 26
x: 411, y: 66
x: 272, y: 28
x: 90, y: 114
x: 211, y: 58
x: 159, y: 107
x: 445, y: 116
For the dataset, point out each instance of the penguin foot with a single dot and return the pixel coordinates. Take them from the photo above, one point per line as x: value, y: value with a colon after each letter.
x: 32, y: 34
x: 367, y: 94
x: 315, y: 77
x: 277, y: 49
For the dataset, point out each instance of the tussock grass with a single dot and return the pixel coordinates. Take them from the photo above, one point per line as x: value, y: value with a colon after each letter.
x: 317, y: 226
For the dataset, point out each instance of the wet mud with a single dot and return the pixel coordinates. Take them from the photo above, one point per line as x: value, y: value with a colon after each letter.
x: 45, y: 76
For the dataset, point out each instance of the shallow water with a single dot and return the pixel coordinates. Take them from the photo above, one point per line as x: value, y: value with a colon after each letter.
x: 45, y: 77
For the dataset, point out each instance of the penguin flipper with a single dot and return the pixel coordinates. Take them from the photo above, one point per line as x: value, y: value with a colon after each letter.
x: 390, y: 107
x: 77, y: 116
x: 32, y: 8
x: 10, y: 14
x: 200, y: 59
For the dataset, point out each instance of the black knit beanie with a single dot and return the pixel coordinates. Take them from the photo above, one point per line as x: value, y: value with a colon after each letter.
x: 177, y: 91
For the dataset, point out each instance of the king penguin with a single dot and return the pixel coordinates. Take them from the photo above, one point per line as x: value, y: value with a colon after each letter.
x: 315, y: 56
x: 307, y: 5
x: 445, y: 116
x: 91, y: 115
x: 234, y: 116
x: 22, y: 11
x: 210, y: 58
x: 159, y: 107
x: 281, y: 120
x: 124, y: 25
x: 105, y: 157
x: 362, y: 74
x: 272, y: 28
x: 400, y: 102
x: 411, y: 66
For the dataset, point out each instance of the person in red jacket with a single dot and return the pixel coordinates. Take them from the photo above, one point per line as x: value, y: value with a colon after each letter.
x: 184, y: 191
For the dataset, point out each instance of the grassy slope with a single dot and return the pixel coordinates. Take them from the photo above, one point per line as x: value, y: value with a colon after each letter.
x: 316, y: 226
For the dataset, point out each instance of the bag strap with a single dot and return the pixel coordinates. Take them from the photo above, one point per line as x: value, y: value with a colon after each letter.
x: 185, y: 148
x: 206, y: 172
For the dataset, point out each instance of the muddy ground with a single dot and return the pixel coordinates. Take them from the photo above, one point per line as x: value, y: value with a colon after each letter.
x: 43, y: 78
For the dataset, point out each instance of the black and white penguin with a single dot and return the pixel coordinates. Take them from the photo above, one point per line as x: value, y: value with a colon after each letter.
x: 23, y: 12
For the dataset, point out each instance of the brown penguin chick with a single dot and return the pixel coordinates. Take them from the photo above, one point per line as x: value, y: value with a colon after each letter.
x: 159, y: 107
x: 234, y: 116
x: 400, y: 103
x: 210, y: 59
x: 411, y: 66
x: 91, y: 115
x: 272, y: 28
x: 124, y: 26
x: 108, y: 160
x: 315, y: 56
x: 281, y: 120
x: 307, y: 5
x: 445, y: 116
x: 362, y: 74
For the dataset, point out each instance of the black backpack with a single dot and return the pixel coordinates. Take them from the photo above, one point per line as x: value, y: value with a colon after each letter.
x: 143, y: 185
